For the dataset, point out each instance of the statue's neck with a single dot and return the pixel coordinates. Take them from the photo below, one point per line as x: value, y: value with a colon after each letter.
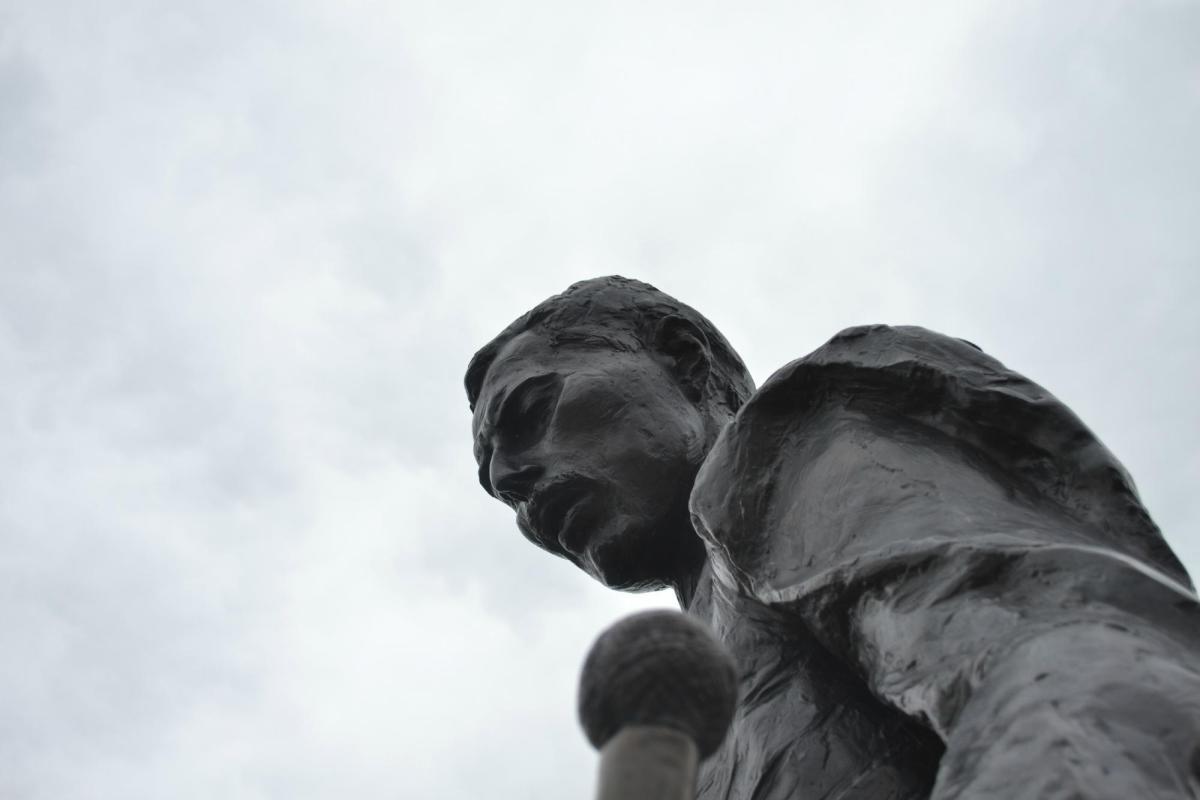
x: 693, y: 573
x: 693, y: 584
x: 694, y: 590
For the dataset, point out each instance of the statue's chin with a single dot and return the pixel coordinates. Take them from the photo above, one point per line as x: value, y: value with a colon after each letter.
x: 628, y: 560
x: 624, y: 583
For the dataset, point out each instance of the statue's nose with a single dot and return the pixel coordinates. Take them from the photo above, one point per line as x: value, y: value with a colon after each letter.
x: 513, y: 483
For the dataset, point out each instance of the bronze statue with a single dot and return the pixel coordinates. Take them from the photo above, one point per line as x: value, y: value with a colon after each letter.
x: 936, y: 581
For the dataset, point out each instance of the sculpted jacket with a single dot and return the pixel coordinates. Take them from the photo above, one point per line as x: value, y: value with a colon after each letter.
x: 939, y: 583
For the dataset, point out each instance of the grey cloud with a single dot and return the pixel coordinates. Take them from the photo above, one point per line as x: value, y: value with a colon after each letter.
x: 246, y: 252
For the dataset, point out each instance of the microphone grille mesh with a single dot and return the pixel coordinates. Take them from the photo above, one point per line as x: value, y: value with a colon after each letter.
x: 658, y: 668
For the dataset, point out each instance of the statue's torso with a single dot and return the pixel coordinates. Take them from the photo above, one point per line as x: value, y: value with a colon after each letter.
x: 806, y: 727
x: 898, y: 511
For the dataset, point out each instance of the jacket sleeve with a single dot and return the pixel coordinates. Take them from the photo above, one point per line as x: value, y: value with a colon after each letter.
x: 961, y: 541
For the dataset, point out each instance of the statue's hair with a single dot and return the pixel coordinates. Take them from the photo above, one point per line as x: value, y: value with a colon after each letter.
x: 623, y: 314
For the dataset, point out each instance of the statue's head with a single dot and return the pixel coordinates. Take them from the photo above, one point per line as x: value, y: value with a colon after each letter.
x: 593, y: 413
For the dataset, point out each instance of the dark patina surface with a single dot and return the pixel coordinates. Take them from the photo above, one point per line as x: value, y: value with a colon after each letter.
x: 935, y: 580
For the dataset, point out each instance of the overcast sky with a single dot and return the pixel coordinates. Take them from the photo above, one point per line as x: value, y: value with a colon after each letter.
x: 247, y: 248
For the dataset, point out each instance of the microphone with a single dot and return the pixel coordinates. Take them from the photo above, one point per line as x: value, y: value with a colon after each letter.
x: 656, y: 696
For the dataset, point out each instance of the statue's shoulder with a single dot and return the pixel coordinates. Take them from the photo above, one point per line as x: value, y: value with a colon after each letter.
x: 882, y: 349
x: 881, y: 418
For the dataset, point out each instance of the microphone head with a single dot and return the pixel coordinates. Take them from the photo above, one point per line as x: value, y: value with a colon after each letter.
x: 658, y: 668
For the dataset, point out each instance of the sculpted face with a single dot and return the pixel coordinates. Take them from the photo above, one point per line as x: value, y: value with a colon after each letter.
x: 596, y: 450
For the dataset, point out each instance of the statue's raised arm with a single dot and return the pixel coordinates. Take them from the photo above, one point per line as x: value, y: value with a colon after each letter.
x: 936, y: 580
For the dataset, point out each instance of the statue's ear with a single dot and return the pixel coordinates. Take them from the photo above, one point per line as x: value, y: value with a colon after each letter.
x: 684, y: 347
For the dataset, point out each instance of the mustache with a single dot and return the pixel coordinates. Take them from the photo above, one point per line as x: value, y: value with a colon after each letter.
x: 540, y: 517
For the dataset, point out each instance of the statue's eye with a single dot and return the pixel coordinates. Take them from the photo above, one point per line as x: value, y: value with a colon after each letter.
x: 529, y: 408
